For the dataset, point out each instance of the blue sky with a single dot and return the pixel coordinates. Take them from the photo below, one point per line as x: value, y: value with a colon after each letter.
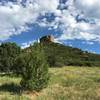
x: 72, y: 22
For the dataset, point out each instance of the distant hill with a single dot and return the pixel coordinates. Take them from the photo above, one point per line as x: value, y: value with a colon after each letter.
x: 61, y: 55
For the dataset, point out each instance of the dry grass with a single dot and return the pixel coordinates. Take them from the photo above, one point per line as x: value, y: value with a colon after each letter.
x: 67, y: 83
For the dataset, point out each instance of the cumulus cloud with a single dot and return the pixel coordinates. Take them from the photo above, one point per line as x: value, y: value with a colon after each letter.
x: 27, y: 44
x: 72, y: 29
x: 91, y: 8
x: 15, y: 17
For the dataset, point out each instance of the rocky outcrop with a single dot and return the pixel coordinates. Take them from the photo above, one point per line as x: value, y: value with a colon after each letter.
x: 47, y: 39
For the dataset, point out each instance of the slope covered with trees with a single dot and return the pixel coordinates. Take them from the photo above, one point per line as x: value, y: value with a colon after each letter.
x: 60, y: 55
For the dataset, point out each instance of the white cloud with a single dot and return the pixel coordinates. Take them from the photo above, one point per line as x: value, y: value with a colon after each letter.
x: 48, y: 5
x: 91, y: 8
x: 27, y: 44
x: 88, y: 42
x: 71, y: 29
x: 14, y: 17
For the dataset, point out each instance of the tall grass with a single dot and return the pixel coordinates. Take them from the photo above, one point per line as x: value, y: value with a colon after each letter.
x: 66, y: 83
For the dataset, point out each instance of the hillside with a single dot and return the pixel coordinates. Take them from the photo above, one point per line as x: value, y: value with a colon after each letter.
x: 61, y: 55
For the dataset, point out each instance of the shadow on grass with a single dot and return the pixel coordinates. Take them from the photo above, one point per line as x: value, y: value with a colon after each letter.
x: 8, y: 74
x: 12, y: 88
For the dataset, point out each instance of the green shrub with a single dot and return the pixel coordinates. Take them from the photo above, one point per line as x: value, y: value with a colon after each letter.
x: 8, y: 53
x: 33, y: 68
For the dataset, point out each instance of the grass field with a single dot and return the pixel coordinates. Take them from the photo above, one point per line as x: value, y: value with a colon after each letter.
x: 66, y: 83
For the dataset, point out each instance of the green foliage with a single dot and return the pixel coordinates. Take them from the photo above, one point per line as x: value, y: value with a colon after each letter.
x: 8, y: 53
x: 33, y: 68
x: 60, y: 55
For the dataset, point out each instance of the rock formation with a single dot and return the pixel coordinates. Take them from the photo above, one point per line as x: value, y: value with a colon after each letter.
x: 47, y: 39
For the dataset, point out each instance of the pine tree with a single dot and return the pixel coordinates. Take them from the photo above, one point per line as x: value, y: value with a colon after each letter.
x: 34, y: 69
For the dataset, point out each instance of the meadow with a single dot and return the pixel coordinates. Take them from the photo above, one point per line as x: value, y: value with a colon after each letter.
x: 66, y: 83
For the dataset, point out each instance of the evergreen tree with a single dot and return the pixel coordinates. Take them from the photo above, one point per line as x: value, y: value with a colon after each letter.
x: 33, y: 69
x: 8, y: 53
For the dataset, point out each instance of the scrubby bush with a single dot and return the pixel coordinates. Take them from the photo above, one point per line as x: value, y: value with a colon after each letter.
x: 33, y: 68
x: 8, y: 53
